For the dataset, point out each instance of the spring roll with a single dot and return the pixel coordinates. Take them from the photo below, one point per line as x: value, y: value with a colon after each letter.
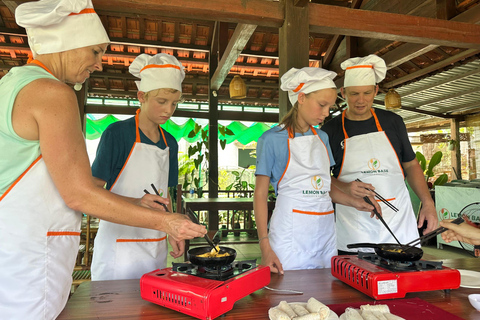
x: 352, y: 314
x: 310, y: 316
x: 277, y: 314
x: 379, y: 315
x: 391, y: 316
x: 368, y: 315
x: 383, y: 308
x: 315, y: 306
x: 299, y: 310
x: 285, y: 307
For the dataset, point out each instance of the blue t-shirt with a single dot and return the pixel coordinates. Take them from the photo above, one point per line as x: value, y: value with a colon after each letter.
x: 115, y: 145
x: 272, y: 152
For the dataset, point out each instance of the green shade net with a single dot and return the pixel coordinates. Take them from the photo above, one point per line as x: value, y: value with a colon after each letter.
x: 242, y: 133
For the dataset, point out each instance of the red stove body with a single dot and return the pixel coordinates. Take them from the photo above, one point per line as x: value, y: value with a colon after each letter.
x: 200, y: 297
x: 376, y: 280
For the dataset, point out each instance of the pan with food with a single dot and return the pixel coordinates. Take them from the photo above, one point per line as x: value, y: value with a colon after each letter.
x: 206, y: 257
x: 392, y: 251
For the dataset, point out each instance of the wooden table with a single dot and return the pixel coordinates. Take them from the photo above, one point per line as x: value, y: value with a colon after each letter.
x: 212, y: 205
x: 120, y: 299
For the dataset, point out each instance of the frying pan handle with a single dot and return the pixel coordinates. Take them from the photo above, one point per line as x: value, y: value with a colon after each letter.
x: 363, y: 245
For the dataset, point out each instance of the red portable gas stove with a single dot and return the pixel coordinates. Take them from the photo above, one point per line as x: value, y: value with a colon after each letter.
x: 201, y: 292
x: 382, y: 278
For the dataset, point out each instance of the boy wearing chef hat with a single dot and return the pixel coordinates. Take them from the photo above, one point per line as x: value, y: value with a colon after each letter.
x: 132, y: 155
x: 372, y: 145
x: 295, y: 158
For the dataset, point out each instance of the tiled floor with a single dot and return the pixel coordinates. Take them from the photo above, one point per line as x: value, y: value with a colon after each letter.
x: 252, y: 251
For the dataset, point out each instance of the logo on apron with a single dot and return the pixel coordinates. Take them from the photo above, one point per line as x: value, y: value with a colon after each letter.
x: 317, y: 182
x: 160, y: 192
x: 374, y: 166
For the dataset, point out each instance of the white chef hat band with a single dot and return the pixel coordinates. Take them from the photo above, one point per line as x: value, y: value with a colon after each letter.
x: 160, y: 71
x: 57, y: 26
x: 160, y: 66
x: 309, y: 87
x: 363, y: 71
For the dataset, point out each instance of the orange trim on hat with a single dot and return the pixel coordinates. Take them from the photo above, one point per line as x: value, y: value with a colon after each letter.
x: 300, y: 86
x: 160, y: 66
x: 361, y: 66
x: 87, y: 10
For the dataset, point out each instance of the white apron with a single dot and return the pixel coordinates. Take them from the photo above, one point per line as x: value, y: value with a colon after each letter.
x: 39, y: 239
x: 371, y: 158
x: 302, y: 231
x: 125, y: 252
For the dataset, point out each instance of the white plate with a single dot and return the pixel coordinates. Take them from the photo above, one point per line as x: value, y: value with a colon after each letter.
x: 331, y: 316
x: 469, y: 279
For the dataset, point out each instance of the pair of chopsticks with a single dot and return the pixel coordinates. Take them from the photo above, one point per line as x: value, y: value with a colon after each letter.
x: 431, y: 234
x: 379, y: 216
x: 156, y: 192
x: 193, y: 217
x: 391, y: 206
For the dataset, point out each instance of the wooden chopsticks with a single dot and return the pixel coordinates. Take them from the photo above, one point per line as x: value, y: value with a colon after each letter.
x: 432, y: 234
x: 156, y: 191
x: 391, y: 206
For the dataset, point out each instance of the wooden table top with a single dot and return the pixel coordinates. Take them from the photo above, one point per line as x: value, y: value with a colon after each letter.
x: 120, y: 299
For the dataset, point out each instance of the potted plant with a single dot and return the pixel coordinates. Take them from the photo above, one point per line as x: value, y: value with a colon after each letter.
x: 428, y: 170
x: 452, y: 144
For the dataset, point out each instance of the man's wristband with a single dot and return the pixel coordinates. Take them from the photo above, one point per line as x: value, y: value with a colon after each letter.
x: 259, y: 240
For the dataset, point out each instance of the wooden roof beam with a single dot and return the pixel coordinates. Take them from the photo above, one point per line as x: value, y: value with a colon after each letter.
x: 391, y: 26
x: 257, y: 12
x: 431, y: 68
x: 409, y: 51
x: 237, y: 42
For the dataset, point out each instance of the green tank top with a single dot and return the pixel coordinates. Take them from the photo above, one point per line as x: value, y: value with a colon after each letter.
x: 16, y: 153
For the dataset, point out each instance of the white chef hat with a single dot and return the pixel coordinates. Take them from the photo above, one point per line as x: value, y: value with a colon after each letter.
x: 306, y: 80
x: 364, y: 71
x: 60, y: 25
x: 159, y: 71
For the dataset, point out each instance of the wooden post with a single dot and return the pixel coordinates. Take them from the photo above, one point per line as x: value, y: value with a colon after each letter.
x: 456, y: 156
x: 213, y: 124
x: 293, y: 46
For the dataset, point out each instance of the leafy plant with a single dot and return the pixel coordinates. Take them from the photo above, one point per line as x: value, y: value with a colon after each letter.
x: 428, y: 168
x: 198, y: 153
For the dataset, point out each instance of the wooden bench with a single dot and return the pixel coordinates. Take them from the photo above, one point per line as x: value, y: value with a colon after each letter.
x: 79, y: 276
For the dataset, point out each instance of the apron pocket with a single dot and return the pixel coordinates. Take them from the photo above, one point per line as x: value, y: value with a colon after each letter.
x: 312, y: 231
x: 62, y: 249
x: 135, y: 257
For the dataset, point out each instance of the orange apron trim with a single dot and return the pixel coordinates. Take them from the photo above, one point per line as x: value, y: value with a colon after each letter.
x: 20, y: 177
x: 87, y: 10
x: 379, y: 128
x: 62, y: 233
x: 137, y: 140
x: 313, y: 213
x: 160, y: 66
x: 391, y: 199
x: 288, y: 162
x: 360, y: 66
x: 142, y: 240
x: 38, y: 63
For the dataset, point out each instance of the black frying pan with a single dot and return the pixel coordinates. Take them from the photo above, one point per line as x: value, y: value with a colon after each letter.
x: 392, y: 251
x: 193, y: 257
